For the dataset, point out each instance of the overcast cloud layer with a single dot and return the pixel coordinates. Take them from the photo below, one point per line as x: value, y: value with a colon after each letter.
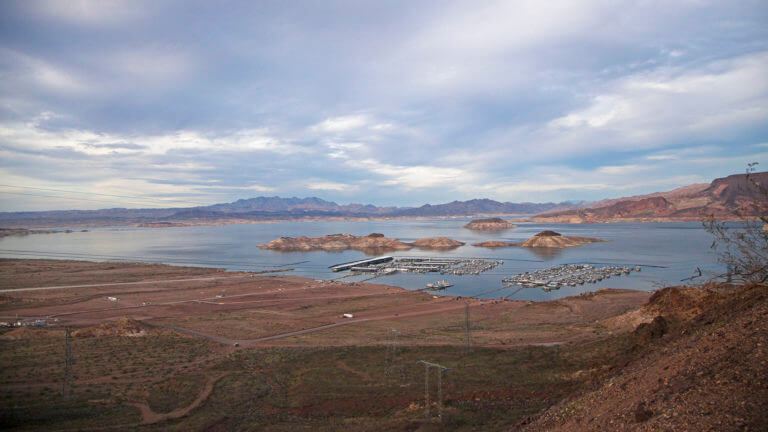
x: 390, y: 103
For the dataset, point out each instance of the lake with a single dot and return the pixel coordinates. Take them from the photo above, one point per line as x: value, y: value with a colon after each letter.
x: 667, y: 252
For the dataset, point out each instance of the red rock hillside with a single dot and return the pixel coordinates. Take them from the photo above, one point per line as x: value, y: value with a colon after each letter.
x: 725, y: 198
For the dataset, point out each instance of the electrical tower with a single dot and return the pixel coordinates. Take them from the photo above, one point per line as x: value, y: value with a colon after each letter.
x: 440, y: 369
x: 66, y: 389
x: 468, y: 326
x: 394, y: 366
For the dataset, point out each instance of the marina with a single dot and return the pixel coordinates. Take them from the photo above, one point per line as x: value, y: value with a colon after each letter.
x: 562, y: 275
x: 387, y: 265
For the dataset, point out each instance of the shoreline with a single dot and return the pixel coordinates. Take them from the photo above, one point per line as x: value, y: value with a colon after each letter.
x: 216, y: 273
x: 193, y: 223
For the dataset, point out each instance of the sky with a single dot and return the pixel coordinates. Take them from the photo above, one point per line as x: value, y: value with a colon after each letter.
x: 180, y: 103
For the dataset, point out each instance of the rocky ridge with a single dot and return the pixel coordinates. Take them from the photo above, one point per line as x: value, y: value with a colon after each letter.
x: 728, y: 198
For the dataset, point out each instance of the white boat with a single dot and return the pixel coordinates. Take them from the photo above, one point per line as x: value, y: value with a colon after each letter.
x: 439, y: 285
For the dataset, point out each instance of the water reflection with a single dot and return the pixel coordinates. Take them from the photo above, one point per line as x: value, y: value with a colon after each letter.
x: 545, y: 253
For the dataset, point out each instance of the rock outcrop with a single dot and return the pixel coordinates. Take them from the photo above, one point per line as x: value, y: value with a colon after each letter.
x: 544, y: 239
x: 437, y: 243
x: 336, y: 242
x: 490, y: 224
x: 551, y: 239
x: 373, y: 243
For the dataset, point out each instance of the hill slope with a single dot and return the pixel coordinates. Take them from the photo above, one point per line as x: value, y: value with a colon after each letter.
x: 723, y: 199
x: 702, y: 365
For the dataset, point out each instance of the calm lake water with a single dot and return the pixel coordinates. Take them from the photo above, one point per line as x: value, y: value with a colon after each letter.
x: 666, y: 252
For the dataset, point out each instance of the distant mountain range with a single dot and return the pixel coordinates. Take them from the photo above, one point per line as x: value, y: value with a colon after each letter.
x: 720, y: 198
x: 267, y: 209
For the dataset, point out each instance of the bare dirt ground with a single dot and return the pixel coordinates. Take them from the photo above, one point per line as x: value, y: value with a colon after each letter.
x: 241, y: 308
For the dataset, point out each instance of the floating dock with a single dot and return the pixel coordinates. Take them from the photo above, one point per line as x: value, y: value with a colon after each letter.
x: 361, y: 263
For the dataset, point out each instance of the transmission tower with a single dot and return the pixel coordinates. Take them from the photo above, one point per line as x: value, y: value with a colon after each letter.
x: 394, y: 365
x: 468, y: 326
x: 66, y: 389
x: 440, y: 369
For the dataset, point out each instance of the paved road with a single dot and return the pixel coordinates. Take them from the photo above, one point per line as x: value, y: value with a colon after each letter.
x: 164, y: 281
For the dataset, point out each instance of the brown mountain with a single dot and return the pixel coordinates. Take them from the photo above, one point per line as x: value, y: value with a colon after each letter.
x: 726, y: 198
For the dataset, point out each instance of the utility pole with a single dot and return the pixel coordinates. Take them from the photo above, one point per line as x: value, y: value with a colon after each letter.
x: 394, y: 367
x: 66, y: 390
x: 468, y: 325
x: 440, y: 369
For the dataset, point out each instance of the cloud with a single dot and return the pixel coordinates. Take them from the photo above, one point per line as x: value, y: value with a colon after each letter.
x: 92, y: 12
x: 661, y: 157
x: 28, y: 71
x: 330, y: 186
x: 342, y: 123
x: 670, y: 102
x: 252, y: 187
x: 399, y: 104
x: 154, y: 65
x: 621, y: 169
x: 30, y: 136
x: 412, y: 177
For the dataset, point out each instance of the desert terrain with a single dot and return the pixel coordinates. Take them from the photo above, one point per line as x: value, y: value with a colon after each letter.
x: 157, y: 347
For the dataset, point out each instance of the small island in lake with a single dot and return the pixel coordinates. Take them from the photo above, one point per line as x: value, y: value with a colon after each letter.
x: 490, y: 224
x: 544, y: 239
x: 552, y: 239
x: 437, y: 243
x: 374, y: 242
x: 495, y: 244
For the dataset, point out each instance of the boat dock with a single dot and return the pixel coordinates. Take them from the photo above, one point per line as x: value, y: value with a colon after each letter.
x: 387, y: 265
x: 360, y: 264
x: 567, y: 275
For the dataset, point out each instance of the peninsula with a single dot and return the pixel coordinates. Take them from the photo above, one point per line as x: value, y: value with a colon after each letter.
x: 489, y: 224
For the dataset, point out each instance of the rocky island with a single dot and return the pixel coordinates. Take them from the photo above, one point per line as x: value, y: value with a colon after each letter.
x: 544, y: 239
x: 551, y: 239
x: 437, y: 243
x: 490, y: 224
x: 495, y: 244
x: 373, y: 243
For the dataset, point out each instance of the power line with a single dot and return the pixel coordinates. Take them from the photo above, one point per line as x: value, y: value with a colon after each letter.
x: 75, y: 199
x: 103, y: 194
